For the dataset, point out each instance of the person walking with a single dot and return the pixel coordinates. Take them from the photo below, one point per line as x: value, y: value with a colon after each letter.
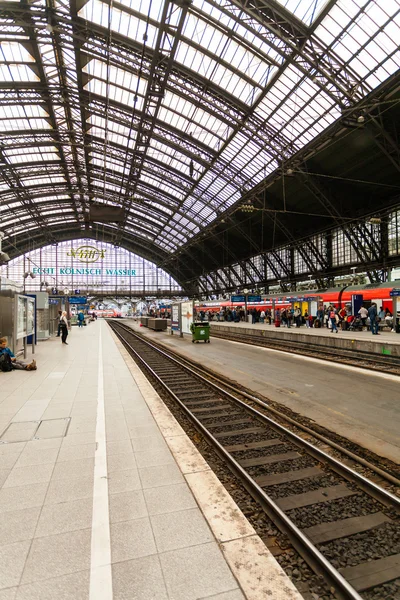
x: 64, y: 327
x: 373, y: 318
x: 81, y: 318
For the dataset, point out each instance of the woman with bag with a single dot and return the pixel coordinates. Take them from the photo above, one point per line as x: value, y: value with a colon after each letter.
x: 64, y: 328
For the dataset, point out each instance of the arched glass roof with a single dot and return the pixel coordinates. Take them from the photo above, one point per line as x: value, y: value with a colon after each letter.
x: 171, y: 110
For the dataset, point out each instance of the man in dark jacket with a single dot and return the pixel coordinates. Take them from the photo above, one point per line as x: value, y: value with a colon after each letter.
x: 373, y: 317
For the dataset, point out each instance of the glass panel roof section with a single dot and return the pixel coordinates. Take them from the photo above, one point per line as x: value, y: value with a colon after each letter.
x: 306, y: 10
x: 365, y: 36
x: 235, y: 99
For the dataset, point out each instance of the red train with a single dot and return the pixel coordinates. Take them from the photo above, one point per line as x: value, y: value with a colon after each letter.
x: 308, y: 299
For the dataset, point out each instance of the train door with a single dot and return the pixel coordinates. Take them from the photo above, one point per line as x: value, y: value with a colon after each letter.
x: 357, y: 301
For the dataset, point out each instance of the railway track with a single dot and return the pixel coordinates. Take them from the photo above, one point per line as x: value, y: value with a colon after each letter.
x: 386, y: 364
x: 345, y: 526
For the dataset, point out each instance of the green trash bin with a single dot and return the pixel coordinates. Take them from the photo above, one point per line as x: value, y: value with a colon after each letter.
x: 200, y: 332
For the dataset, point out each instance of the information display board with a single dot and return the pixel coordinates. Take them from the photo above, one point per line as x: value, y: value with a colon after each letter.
x: 77, y: 300
x: 238, y: 299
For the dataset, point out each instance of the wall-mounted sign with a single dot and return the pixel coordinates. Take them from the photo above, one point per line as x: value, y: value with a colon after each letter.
x: 87, y: 253
x: 84, y: 271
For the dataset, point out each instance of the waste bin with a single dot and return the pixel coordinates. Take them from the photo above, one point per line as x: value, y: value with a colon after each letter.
x: 200, y: 331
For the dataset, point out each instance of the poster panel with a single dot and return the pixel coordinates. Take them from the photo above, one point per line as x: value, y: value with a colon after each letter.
x: 21, y: 317
x: 175, y: 317
x: 30, y: 312
x: 187, y: 316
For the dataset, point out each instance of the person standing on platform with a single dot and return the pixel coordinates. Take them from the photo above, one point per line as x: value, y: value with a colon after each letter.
x: 262, y: 316
x: 381, y: 315
x: 58, y: 328
x: 64, y: 327
x: 297, y: 315
x: 364, y: 316
x: 373, y: 318
x: 81, y: 318
x: 332, y: 318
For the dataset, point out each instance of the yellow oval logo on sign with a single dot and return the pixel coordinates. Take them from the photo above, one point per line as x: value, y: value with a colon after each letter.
x: 87, y: 254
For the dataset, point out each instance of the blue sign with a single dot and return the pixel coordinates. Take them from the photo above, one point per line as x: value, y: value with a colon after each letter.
x: 395, y: 293
x: 253, y: 298
x: 53, y: 301
x: 238, y: 299
x: 77, y: 300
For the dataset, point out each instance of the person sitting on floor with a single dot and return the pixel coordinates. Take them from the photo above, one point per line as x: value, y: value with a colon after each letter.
x: 16, y: 364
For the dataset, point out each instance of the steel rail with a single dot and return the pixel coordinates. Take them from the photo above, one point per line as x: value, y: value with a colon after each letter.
x: 384, y: 474
x: 302, y: 544
x: 371, y: 488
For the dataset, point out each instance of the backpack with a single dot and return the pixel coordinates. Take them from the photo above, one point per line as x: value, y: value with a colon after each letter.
x: 5, y: 362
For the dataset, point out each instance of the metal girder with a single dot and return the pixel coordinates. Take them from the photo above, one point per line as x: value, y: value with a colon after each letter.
x: 355, y: 234
x: 385, y: 142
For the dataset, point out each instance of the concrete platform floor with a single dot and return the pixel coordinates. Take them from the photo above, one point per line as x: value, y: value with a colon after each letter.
x: 107, y: 499
x: 358, y: 404
x: 386, y: 337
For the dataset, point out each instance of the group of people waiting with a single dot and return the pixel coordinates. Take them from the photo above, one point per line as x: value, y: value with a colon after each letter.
x: 327, y: 316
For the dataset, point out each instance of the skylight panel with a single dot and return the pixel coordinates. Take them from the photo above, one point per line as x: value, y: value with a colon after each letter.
x: 211, y: 69
x: 118, y: 94
x: 17, y: 73
x: 213, y: 39
x: 306, y: 10
x: 14, y: 52
x: 20, y: 124
x: 146, y: 7
x: 121, y: 22
x: 33, y: 157
x: 43, y: 180
x: 367, y: 42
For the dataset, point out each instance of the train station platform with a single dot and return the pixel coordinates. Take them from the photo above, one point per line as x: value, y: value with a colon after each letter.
x: 387, y: 342
x: 358, y: 404
x: 104, y: 497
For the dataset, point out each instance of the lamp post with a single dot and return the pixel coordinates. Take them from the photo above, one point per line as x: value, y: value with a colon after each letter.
x: 245, y: 292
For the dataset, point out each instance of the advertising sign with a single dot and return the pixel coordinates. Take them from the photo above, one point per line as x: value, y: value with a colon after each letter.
x: 187, y: 316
